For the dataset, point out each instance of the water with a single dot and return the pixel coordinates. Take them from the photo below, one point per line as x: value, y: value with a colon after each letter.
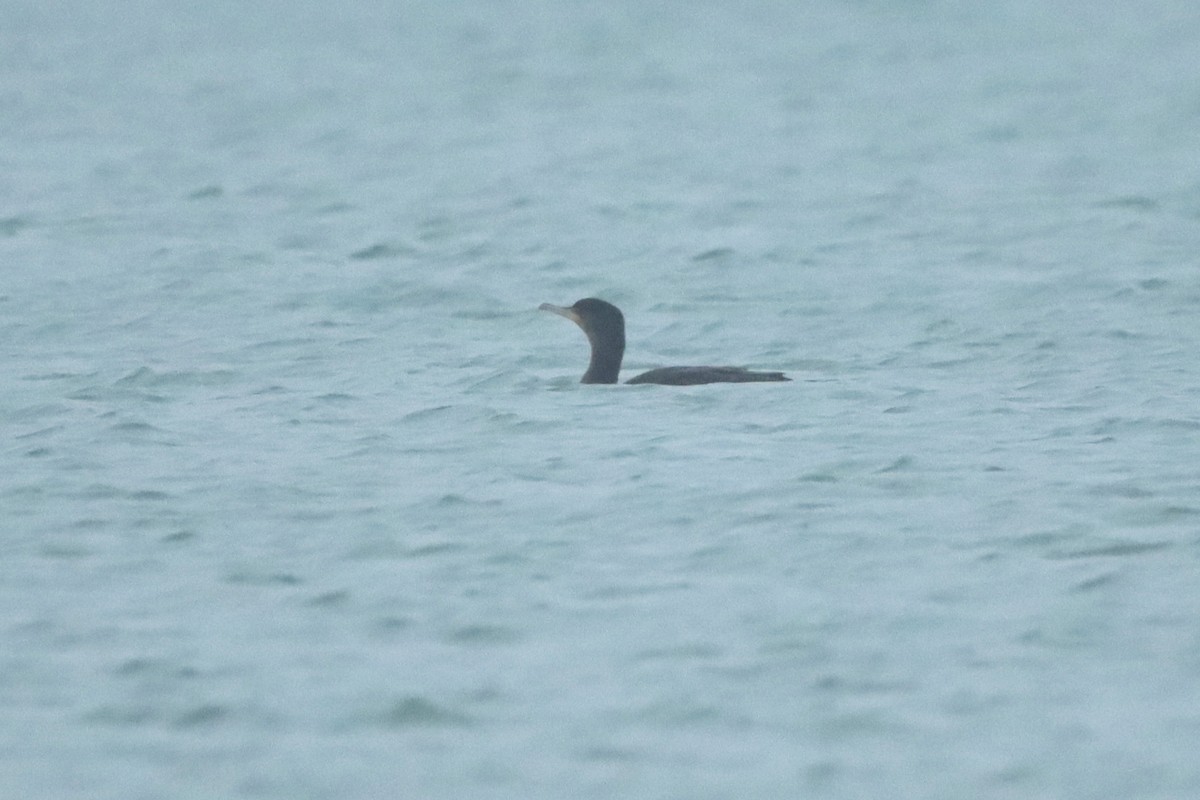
x: 302, y: 498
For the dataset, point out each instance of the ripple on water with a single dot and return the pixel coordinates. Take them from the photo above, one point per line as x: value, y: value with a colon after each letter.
x: 11, y: 226
x: 483, y: 635
x: 145, y: 377
x: 412, y: 711
x: 1115, y: 549
x: 383, y: 250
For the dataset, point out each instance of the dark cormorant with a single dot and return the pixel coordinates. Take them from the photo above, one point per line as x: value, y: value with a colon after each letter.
x: 604, y: 325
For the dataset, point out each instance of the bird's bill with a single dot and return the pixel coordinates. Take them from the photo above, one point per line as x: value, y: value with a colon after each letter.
x: 569, y: 313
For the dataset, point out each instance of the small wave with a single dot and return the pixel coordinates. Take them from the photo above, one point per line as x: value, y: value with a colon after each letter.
x: 483, y: 635
x: 253, y: 578
x: 11, y: 226
x: 201, y: 715
x: 415, y: 711
x: 144, y: 377
x: 135, y: 427
x: 1131, y: 202
x: 1112, y: 549
x: 382, y: 250
x: 715, y: 254
x: 206, y: 192
x: 57, y: 376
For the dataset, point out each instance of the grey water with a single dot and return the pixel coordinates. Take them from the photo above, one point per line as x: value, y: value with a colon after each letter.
x: 301, y: 497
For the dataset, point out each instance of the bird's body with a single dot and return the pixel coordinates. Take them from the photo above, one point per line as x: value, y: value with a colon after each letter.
x: 604, y: 325
x: 691, y: 376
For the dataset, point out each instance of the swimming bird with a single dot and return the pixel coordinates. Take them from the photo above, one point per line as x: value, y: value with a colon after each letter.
x: 604, y: 325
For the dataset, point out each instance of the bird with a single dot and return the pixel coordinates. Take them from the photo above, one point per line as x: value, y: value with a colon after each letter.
x: 604, y: 325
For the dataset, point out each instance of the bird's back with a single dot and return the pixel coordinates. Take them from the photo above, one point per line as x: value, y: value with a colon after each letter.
x: 693, y: 376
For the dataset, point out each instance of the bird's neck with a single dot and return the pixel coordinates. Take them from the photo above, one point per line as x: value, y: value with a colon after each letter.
x: 605, y: 365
